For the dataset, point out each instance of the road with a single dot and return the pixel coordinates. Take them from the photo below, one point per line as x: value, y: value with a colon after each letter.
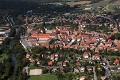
x: 95, y: 77
x: 108, y: 72
x: 25, y: 44
x: 73, y: 40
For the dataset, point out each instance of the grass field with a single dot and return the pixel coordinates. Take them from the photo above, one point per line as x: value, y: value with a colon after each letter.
x: 102, y: 3
x: 34, y: 67
x: 113, y: 57
x: 44, y: 77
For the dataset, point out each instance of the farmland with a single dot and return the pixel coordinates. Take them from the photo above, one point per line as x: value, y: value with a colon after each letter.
x: 78, y: 3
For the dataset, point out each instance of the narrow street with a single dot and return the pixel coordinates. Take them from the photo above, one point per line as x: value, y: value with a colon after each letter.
x: 107, y: 68
x: 95, y: 77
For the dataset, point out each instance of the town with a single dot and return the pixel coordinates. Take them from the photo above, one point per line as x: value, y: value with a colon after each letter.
x: 61, y: 41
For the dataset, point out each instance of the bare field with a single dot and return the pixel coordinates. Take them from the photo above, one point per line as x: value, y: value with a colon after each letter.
x: 117, y: 2
x: 78, y: 3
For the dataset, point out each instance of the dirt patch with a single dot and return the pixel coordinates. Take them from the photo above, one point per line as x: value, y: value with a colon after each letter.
x: 35, y: 72
x: 117, y: 3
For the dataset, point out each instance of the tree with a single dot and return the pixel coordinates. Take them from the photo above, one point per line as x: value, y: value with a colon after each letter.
x: 6, y: 41
x: 69, y: 76
x: 37, y: 50
x: 6, y: 69
x: 60, y: 75
x: 18, y: 50
x: 115, y: 36
x: 12, y: 32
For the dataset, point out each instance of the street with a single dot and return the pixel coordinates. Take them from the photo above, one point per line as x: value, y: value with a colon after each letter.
x: 95, y: 77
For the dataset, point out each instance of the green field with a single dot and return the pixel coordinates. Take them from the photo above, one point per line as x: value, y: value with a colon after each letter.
x: 44, y: 77
x: 113, y: 57
x: 3, y: 56
x: 102, y: 3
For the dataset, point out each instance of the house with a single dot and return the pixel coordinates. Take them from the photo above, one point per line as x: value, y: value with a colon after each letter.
x: 29, y: 29
x: 52, y: 57
x: 76, y: 70
x: 56, y: 57
x: 59, y: 63
x: 101, y: 46
x: 83, y: 77
x: 109, y: 43
x: 81, y: 69
x: 24, y: 71
x: 86, y: 55
x: 54, y: 69
x: 27, y: 56
x: 37, y: 43
x: 50, y: 63
x: 31, y: 60
x: 79, y: 57
x: 118, y: 67
x: 102, y: 63
x: 96, y: 57
x: 64, y: 64
x: 4, y: 31
x: 61, y: 69
x: 116, y: 62
x: 89, y: 68
x: 77, y: 63
x: 99, y: 68
x: 38, y: 62
x: 103, y: 77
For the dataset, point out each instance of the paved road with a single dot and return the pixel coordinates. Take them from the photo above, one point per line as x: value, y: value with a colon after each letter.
x: 69, y: 44
x: 108, y: 72
x: 25, y: 44
x: 95, y: 77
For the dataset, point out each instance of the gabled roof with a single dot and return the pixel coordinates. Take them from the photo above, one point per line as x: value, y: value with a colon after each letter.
x: 50, y: 63
x: 98, y: 55
x: 87, y: 53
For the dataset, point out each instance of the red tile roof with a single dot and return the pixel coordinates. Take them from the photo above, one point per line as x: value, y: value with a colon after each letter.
x: 42, y: 35
x: 116, y: 61
x: 97, y: 55
x: 87, y: 53
x: 66, y: 47
x: 50, y: 63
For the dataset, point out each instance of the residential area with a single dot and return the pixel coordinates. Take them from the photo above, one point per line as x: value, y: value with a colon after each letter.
x: 89, y: 50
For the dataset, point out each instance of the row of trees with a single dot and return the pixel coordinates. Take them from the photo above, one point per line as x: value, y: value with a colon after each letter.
x: 11, y: 68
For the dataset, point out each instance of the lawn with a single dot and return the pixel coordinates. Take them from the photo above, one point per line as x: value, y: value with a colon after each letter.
x: 34, y: 67
x: 3, y: 56
x: 44, y: 77
x: 111, y: 8
x: 113, y: 57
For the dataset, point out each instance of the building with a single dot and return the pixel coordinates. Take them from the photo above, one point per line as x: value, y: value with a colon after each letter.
x: 42, y: 38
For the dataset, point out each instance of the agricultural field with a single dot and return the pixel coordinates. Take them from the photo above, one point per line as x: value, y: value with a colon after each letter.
x: 117, y: 3
x: 78, y: 3
x: 102, y: 3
